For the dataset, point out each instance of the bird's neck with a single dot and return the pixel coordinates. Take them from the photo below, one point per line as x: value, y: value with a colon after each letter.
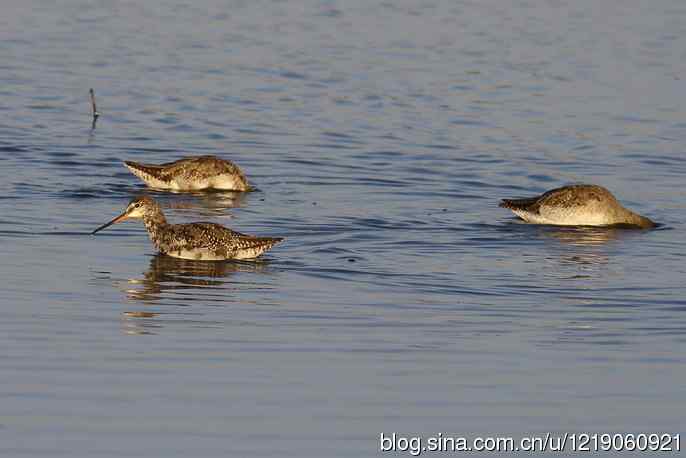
x: 155, y: 223
x: 638, y: 220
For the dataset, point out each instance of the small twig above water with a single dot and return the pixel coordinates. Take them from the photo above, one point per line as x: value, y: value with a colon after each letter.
x: 95, y: 109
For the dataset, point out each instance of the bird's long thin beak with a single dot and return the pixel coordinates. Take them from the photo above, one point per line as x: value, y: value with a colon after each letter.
x: 118, y: 219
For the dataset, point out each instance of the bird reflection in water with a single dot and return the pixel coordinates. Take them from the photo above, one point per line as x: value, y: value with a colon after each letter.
x: 586, y: 235
x: 585, y: 245
x: 139, y: 323
x: 209, y: 203
x: 168, y: 274
x: 585, y: 248
x: 178, y: 282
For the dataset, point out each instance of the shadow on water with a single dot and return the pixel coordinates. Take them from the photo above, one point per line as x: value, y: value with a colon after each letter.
x: 171, y: 282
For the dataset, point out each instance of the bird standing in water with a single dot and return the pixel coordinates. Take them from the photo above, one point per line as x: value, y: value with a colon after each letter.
x: 192, y: 174
x: 197, y: 241
x: 576, y: 205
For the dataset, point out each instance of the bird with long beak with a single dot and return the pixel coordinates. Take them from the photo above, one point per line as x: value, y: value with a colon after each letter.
x: 197, y: 241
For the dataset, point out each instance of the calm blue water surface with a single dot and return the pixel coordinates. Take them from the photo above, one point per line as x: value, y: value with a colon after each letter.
x: 381, y: 136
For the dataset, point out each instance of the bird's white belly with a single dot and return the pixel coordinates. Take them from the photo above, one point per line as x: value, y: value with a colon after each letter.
x: 224, y: 181
x: 249, y: 253
x: 204, y: 254
x: 201, y: 254
x: 228, y: 182
x: 565, y: 217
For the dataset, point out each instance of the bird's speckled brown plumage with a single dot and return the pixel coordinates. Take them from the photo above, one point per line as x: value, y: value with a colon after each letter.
x: 192, y: 174
x: 198, y: 241
x: 576, y: 205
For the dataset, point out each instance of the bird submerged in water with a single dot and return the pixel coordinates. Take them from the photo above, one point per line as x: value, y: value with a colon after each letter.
x: 197, y: 241
x: 192, y: 174
x: 576, y: 205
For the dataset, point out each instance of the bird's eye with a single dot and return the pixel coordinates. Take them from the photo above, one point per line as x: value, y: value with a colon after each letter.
x: 137, y: 205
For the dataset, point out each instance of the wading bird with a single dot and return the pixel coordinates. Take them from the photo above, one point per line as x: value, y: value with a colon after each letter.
x: 576, y: 205
x: 198, y: 241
